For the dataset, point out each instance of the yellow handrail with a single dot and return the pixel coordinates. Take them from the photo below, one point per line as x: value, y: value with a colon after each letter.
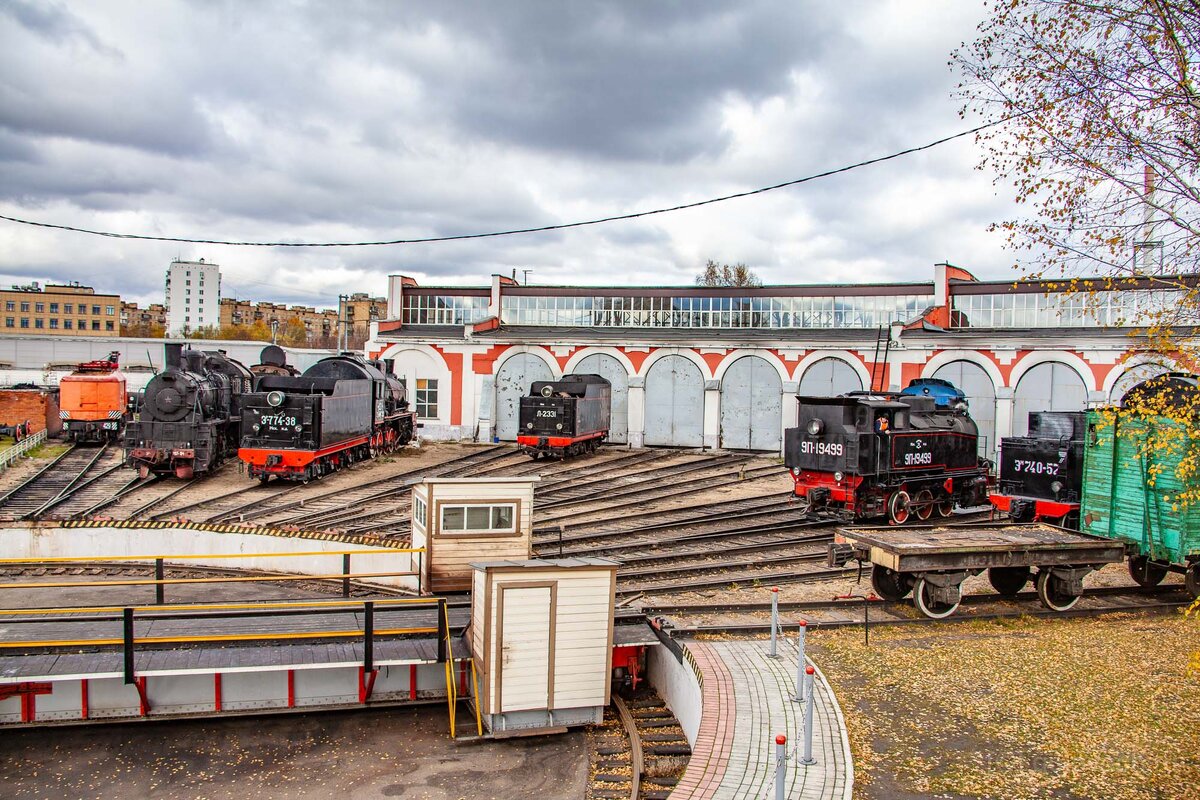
x: 250, y: 605
x: 221, y: 637
x: 478, y: 712
x: 228, y: 579
x: 451, y: 693
x: 197, y: 556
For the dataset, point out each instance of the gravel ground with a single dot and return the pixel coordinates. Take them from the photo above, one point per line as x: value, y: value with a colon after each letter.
x: 1025, y: 708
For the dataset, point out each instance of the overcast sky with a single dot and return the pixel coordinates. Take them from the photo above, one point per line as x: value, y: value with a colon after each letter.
x: 354, y: 121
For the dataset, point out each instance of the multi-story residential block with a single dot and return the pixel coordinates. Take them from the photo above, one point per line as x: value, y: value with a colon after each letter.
x: 59, y: 309
x: 193, y: 296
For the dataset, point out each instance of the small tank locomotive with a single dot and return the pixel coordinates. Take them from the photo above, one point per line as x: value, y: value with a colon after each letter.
x: 869, y: 455
x: 565, y: 417
x: 341, y: 410
x: 1041, y: 474
x: 92, y: 401
x: 187, y: 419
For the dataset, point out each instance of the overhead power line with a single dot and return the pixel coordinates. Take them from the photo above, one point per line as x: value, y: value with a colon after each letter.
x: 518, y: 231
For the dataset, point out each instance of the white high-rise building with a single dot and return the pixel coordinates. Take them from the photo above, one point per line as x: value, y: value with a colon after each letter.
x: 193, y: 296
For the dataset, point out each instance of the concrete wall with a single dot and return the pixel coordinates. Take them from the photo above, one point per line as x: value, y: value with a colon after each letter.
x: 679, y: 686
x: 41, y: 540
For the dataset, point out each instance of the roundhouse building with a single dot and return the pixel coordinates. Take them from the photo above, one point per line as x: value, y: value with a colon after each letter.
x: 720, y: 367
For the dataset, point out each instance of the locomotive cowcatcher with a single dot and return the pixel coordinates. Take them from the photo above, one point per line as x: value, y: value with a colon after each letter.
x: 343, y: 409
x: 565, y: 417
x: 1041, y: 474
x: 869, y: 455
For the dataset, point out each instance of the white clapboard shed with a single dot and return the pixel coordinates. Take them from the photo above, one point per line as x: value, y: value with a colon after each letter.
x: 541, y: 637
x: 462, y: 520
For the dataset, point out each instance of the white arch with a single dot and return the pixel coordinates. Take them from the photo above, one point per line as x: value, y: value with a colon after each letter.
x: 416, y: 361
x: 533, y: 350
x: 841, y: 355
x: 1052, y: 356
x: 580, y: 355
x: 765, y: 355
x: 1133, y: 362
x: 395, y: 350
x: 973, y: 356
x: 686, y: 352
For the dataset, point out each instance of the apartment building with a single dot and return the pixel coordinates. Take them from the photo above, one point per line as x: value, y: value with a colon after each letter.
x: 59, y: 309
x: 193, y: 291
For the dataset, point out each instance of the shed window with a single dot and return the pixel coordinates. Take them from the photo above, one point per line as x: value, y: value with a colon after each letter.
x: 479, y: 518
x: 427, y: 398
x: 419, y: 509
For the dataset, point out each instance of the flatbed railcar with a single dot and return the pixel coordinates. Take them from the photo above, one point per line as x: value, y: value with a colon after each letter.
x: 931, y: 563
x: 867, y: 455
x: 1041, y: 474
x: 342, y: 410
x: 565, y: 417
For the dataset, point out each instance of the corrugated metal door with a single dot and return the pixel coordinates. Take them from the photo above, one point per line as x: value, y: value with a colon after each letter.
x: 829, y: 377
x: 674, y: 403
x: 751, y: 405
x: 525, y: 620
x: 1047, y: 387
x: 512, y: 383
x: 1132, y: 377
x: 608, y: 367
x: 977, y: 385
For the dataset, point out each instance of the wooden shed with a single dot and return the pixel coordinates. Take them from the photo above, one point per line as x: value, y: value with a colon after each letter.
x: 541, y: 636
x: 462, y: 520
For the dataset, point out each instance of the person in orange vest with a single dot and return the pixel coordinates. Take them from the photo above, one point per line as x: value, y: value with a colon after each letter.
x: 881, y: 424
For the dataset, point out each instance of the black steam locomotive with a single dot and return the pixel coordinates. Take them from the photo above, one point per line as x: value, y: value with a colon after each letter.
x: 187, y: 420
x: 565, y: 417
x: 1041, y: 474
x: 869, y: 455
x: 343, y: 409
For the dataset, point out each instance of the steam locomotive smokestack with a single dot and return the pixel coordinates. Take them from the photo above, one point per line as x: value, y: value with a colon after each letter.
x: 174, y: 355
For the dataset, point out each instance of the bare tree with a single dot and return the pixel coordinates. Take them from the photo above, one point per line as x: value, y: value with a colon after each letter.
x: 715, y: 274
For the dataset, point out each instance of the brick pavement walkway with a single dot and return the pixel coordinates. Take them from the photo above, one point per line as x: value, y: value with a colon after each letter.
x: 746, y: 700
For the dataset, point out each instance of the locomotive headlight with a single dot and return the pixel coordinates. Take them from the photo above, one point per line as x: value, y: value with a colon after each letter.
x: 275, y: 398
x: 837, y: 476
x: 547, y: 391
x: 814, y: 427
x: 961, y: 405
x: 1056, y: 487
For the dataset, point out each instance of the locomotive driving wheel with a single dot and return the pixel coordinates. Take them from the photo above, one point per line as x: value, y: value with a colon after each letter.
x: 945, y: 506
x: 923, y: 505
x: 899, y: 509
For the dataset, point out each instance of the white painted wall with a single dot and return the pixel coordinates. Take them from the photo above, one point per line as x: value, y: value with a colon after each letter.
x: 678, y: 685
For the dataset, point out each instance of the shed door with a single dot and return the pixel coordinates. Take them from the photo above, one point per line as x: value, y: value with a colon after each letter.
x: 513, y: 380
x: 829, y: 377
x: 525, y: 621
x: 977, y: 385
x: 608, y: 367
x: 1049, y: 386
x: 751, y: 405
x: 674, y: 403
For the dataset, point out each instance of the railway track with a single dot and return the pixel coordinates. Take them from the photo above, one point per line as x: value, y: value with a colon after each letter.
x: 639, y: 752
x: 753, y: 618
x: 69, y: 485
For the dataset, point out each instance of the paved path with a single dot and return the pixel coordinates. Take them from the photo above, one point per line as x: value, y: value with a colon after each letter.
x: 747, y: 701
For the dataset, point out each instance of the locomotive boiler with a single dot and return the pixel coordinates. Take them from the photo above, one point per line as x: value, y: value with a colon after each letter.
x: 188, y: 416
x: 341, y: 410
x: 868, y: 455
x: 565, y: 417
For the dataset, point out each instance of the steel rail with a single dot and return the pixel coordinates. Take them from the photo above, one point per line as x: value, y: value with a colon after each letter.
x: 72, y: 489
x: 31, y: 480
x: 635, y: 746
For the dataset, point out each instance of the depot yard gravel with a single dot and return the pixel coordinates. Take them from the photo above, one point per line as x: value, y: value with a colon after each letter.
x: 1024, y: 708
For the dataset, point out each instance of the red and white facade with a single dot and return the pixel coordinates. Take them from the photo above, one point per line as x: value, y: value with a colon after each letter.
x: 702, y: 367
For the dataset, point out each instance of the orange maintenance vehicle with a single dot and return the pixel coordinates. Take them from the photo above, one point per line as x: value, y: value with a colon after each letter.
x: 92, y: 401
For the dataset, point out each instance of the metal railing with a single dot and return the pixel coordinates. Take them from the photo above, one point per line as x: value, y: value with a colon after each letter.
x: 21, y: 448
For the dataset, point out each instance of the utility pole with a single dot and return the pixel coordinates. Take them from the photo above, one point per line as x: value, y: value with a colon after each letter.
x: 526, y: 272
x: 343, y: 323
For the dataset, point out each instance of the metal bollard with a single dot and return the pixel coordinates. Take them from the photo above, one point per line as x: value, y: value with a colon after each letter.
x: 808, y: 717
x: 780, y: 766
x: 800, y: 661
x: 774, y: 621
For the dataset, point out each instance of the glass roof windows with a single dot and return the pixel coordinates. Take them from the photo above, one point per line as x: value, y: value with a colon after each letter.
x: 1040, y: 310
x: 454, y: 309
x: 712, y: 312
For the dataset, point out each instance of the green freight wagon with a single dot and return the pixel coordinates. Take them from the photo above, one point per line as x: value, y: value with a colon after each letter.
x: 1118, y: 502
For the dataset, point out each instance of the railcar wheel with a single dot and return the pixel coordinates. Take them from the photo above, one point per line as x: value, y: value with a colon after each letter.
x: 923, y: 505
x: 1191, y: 580
x: 1050, y: 592
x: 927, y: 605
x: 889, y: 584
x: 1146, y: 573
x: 264, y: 478
x: 1008, y: 580
x: 945, y: 507
x: 899, y: 511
